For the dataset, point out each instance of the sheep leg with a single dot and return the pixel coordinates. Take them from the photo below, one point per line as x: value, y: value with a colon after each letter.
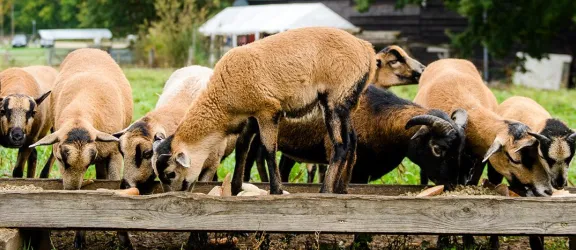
x: 253, y: 154
x: 321, y: 172
x: 536, y: 242
x: 338, y: 153
x: 113, y: 167
x: 261, y: 163
x: 346, y: 172
x: 493, y: 176
x: 242, y: 149
x: 494, y: 242
x: 311, y: 171
x: 23, y: 154
x: 32, y: 160
x: 80, y: 239
x: 269, y: 138
x: 46, y: 169
x: 286, y: 165
x: 423, y: 178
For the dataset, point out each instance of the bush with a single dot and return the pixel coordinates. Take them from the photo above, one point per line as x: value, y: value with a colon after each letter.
x: 172, y: 34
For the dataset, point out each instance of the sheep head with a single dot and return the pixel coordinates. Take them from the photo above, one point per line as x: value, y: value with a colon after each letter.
x: 395, y: 67
x: 17, y: 113
x: 556, y: 150
x: 514, y: 154
x: 75, y: 148
x: 135, y: 145
x: 436, y: 147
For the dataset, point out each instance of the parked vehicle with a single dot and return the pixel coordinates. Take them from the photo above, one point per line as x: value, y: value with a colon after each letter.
x: 19, y: 41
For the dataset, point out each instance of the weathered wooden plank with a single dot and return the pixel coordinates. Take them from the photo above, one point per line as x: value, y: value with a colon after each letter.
x: 204, y: 187
x: 289, y: 213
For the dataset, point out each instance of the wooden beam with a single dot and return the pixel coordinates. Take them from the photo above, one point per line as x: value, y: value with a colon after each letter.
x: 93, y: 210
x: 205, y: 187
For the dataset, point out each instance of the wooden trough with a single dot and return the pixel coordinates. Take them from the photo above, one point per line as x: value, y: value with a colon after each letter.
x: 369, y: 209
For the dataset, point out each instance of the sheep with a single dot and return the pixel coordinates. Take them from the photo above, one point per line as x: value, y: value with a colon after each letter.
x: 555, y: 139
x: 283, y: 75
x: 25, y: 113
x: 389, y: 128
x: 181, y: 89
x: 449, y: 84
x: 90, y: 99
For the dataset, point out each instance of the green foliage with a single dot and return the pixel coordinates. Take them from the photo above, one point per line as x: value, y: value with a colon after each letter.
x: 121, y: 17
x: 173, y: 32
x: 48, y: 14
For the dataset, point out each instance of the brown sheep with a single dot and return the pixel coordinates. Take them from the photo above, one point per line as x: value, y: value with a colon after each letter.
x: 181, y: 89
x: 287, y: 74
x: 449, y: 84
x: 25, y: 114
x: 91, y: 99
x: 556, y: 140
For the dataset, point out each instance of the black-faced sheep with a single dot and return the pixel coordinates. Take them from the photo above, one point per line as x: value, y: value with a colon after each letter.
x: 389, y: 128
x: 136, y: 141
x: 451, y: 84
x: 25, y: 114
x: 555, y: 139
x: 287, y: 74
x: 90, y: 99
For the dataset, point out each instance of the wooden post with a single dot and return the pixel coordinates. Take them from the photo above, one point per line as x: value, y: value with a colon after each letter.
x: 256, y: 36
x: 151, y: 58
x: 212, y: 60
x: 234, y: 41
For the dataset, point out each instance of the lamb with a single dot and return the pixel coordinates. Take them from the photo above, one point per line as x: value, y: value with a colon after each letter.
x: 91, y: 99
x: 555, y: 139
x: 450, y: 84
x: 181, y: 89
x: 25, y: 114
x: 283, y: 75
x: 389, y: 128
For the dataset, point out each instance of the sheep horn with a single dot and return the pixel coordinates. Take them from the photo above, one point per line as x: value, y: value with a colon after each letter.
x: 539, y: 137
x: 437, y: 124
x: 571, y: 137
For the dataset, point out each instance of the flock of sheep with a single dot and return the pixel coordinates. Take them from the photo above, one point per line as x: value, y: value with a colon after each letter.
x: 316, y: 94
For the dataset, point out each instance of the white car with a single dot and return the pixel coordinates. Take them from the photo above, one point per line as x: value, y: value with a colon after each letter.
x: 19, y: 41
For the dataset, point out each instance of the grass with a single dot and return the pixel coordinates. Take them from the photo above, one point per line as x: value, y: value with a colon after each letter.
x: 147, y: 85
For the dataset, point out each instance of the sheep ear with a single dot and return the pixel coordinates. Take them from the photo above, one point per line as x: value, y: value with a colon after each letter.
x: 47, y: 140
x: 460, y: 117
x: 159, y: 136
x: 495, y: 147
x: 42, y: 97
x: 182, y: 160
x: 121, y: 132
x: 422, y: 131
x: 103, y: 137
x: 378, y: 63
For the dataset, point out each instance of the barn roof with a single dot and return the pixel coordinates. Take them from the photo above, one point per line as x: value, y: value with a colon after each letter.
x: 75, y: 34
x: 273, y: 18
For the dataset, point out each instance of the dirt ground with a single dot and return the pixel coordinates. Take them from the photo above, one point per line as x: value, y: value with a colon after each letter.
x: 96, y: 240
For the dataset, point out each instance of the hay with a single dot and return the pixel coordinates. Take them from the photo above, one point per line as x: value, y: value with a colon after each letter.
x: 461, y: 190
x: 20, y: 188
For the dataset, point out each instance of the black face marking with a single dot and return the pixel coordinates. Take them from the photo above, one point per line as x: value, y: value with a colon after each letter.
x: 64, y: 159
x: 78, y: 135
x: 120, y: 149
x: 141, y: 126
x: 163, y: 149
x: 395, y: 52
x: 138, y: 156
x: 511, y: 159
x: 555, y: 128
x: 5, y: 111
x: 516, y: 129
x: 31, y: 112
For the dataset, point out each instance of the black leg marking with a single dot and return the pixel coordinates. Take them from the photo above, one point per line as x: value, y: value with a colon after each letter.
x: 80, y: 240
x: 261, y: 163
x: 286, y: 165
x: 251, y: 157
x: 32, y: 160
x: 48, y: 166
x: 242, y: 150
x: 197, y: 240
x: 537, y: 242
x: 311, y: 172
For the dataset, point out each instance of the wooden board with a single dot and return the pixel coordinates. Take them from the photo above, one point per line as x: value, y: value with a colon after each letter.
x: 180, y: 211
x: 205, y: 187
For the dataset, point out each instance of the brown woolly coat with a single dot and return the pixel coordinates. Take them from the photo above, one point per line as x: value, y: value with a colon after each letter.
x: 282, y: 73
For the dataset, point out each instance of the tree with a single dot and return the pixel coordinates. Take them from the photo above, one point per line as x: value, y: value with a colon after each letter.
x: 120, y: 16
x: 533, y: 26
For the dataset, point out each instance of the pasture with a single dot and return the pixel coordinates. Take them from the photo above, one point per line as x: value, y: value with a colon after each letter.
x: 147, y: 85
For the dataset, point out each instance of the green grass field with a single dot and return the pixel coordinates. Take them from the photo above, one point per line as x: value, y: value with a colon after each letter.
x: 147, y: 85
